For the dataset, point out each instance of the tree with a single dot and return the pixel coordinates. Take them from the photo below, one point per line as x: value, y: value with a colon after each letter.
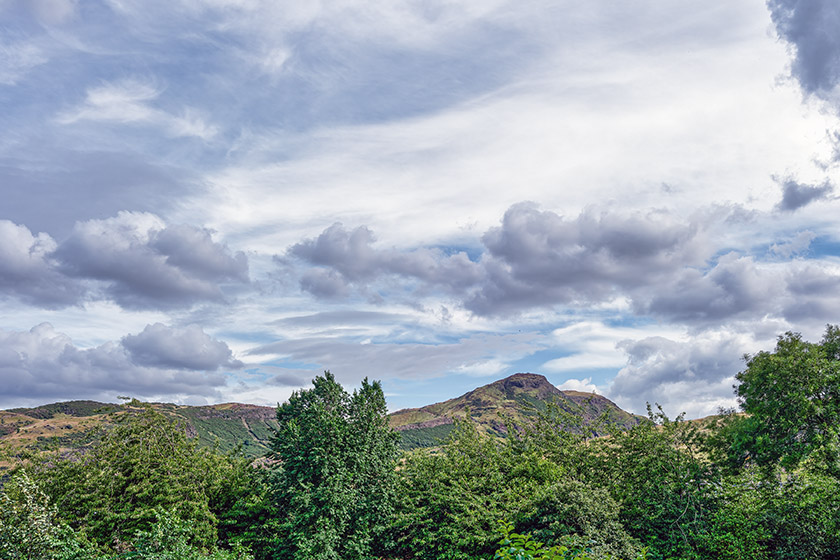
x: 30, y: 528
x: 144, y: 465
x: 792, y: 397
x: 334, y: 487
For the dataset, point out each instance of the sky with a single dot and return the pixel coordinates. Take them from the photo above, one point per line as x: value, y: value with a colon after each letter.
x: 206, y: 201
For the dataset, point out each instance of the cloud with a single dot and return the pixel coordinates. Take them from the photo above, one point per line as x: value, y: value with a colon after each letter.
x: 694, y: 376
x: 43, y: 364
x: 735, y: 286
x: 654, y: 263
x: 129, y: 102
x: 28, y: 270
x: 795, y: 195
x: 537, y: 258
x: 17, y: 58
x: 353, y: 360
x: 811, y: 27
x: 796, y: 246
x: 583, y: 385
x: 348, y: 258
x: 142, y: 263
x: 187, y: 348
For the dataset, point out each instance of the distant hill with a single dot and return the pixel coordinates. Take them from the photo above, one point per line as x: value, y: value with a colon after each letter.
x: 517, y: 398
x: 70, y: 425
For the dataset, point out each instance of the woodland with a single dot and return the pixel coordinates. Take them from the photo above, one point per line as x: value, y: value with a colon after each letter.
x: 761, y: 482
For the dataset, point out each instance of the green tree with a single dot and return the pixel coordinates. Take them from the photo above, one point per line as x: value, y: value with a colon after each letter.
x: 660, y: 481
x: 334, y: 488
x: 144, y: 465
x: 792, y: 398
x: 30, y: 528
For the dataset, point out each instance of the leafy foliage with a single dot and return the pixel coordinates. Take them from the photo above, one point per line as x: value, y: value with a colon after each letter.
x: 30, y: 528
x: 515, y: 546
x: 763, y: 485
x: 146, y: 463
x: 792, y: 396
x: 334, y: 490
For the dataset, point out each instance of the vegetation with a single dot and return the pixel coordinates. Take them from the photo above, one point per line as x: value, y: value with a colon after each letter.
x: 762, y: 484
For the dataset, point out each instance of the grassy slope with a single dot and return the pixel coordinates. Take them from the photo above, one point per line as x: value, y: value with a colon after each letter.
x: 62, y: 427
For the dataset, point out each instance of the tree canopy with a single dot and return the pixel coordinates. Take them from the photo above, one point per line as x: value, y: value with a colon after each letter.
x: 334, y: 489
x: 792, y: 397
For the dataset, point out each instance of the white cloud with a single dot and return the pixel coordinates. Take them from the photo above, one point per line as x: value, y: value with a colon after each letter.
x: 584, y: 385
x: 17, y: 59
x: 130, y: 102
x: 43, y: 364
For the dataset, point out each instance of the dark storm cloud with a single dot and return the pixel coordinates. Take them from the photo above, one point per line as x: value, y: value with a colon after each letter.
x: 538, y: 257
x: 348, y: 258
x: 28, y: 271
x: 43, y: 364
x: 142, y: 263
x: 811, y: 26
x: 795, y: 195
x: 187, y: 348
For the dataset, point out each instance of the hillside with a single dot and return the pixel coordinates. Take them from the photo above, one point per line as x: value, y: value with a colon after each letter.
x: 66, y: 426
x: 70, y: 425
x: 517, y: 398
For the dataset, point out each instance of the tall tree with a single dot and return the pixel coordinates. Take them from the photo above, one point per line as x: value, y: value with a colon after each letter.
x: 792, y: 396
x: 334, y: 487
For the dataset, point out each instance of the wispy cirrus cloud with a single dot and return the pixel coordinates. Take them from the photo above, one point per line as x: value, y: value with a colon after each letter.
x: 131, y: 102
x: 17, y: 58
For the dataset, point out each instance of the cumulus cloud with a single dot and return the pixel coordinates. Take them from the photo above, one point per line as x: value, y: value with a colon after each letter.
x: 735, y: 286
x: 655, y: 263
x: 694, y: 376
x: 142, y: 263
x: 28, y: 270
x: 810, y: 26
x: 349, y: 259
x: 134, y: 259
x: 43, y: 364
x: 187, y: 348
x: 537, y: 257
x: 795, y: 195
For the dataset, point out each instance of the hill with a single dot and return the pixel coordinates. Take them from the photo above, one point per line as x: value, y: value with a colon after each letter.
x: 517, y: 398
x: 65, y: 426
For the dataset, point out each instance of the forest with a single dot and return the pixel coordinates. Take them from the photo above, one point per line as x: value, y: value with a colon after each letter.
x: 760, y: 482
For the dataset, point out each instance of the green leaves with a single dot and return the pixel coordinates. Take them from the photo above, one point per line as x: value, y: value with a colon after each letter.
x: 334, y: 490
x: 793, y: 398
x: 143, y: 465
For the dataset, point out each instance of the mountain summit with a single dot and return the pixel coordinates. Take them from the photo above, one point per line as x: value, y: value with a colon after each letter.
x: 517, y: 397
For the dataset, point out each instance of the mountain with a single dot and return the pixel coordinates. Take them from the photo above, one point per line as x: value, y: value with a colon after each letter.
x: 71, y: 425
x: 517, y: 398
